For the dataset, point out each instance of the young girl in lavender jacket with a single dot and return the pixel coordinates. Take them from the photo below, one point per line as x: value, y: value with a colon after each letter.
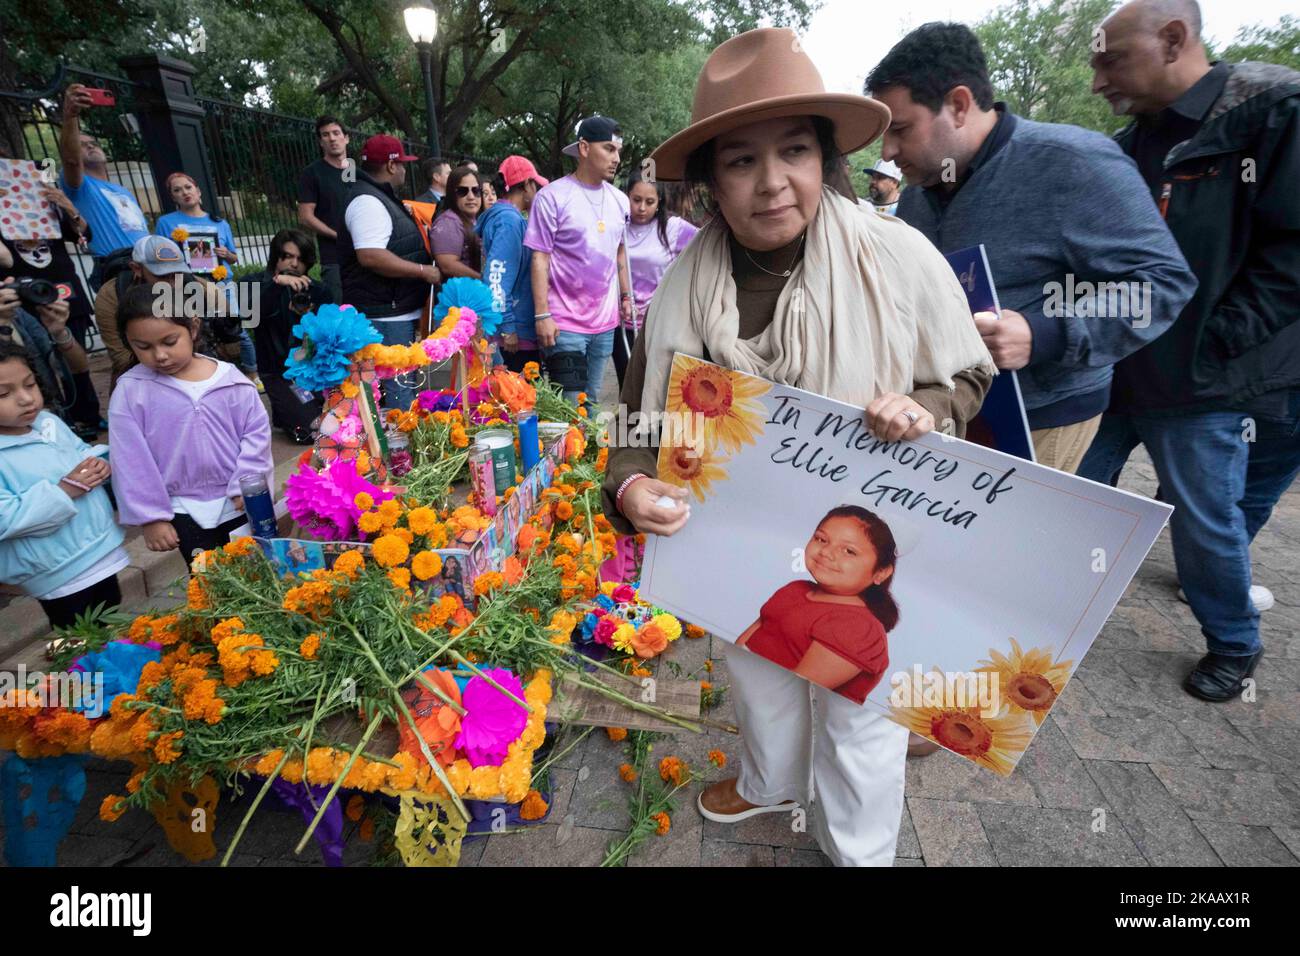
x: 183, y: 429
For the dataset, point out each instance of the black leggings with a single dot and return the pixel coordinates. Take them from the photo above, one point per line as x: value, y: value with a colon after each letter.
x: 194, y: 538
x: 623, y: 355
x: 63, y: 611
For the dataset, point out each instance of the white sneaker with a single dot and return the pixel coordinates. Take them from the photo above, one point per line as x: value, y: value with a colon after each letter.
x: 1260, y: 596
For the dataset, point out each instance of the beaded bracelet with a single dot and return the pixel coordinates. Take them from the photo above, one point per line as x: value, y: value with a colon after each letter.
x: 627, y: 483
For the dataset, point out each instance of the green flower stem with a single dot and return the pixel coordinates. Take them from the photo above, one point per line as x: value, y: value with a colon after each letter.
x: 441, y: 695
x: 329, y: 797
x: 419, y: 737
x: 465, y: 661
x: 257, y: 801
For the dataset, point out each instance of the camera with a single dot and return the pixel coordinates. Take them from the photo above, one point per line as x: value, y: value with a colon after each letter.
x: 34, y: 293
x: 300, y: 302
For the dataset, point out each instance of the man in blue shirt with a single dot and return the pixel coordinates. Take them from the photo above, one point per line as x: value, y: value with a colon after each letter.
x: 507, y: 262
x: 115, y: 218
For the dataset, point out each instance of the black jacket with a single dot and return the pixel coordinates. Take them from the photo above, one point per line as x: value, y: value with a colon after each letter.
x: 273, y: 336
x: 375, y: 295
x: 1231, y: 198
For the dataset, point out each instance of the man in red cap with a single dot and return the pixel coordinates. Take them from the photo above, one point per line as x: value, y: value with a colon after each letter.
x: 386, y: 268
x: 507, y: 262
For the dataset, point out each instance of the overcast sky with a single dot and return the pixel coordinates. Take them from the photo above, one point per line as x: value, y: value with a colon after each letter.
x: 848, y: 37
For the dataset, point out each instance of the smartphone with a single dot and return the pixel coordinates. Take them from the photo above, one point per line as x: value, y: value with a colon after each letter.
x: 101, y: 97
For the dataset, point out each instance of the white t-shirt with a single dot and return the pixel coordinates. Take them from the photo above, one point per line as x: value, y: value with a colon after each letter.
x: 215, y: 511
x: 371, y: 227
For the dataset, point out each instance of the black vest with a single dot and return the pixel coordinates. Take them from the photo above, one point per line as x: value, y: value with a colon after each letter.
x: 379, y: 296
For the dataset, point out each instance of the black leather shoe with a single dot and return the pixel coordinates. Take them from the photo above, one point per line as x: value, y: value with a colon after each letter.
x: 1217, y: 677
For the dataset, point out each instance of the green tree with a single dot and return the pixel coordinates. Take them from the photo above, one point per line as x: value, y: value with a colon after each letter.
x: 1279, y: 44
x: 1038, y: 60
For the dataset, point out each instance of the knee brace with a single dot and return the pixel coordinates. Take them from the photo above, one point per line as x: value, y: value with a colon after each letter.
x: 568, y: 370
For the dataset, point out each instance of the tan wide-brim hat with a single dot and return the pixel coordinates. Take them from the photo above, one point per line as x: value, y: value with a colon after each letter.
x: 761, y: 75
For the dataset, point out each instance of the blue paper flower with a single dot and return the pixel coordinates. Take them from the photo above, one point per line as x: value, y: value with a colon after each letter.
x: 334, y: 335
x: 605, y: 602
x: 468, y: 294
x: 588, y: 629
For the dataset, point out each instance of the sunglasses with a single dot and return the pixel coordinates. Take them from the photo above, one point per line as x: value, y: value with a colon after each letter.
x: 463, y: 191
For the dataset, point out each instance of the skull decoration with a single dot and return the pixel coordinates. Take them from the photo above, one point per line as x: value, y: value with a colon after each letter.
x: 188, y: 816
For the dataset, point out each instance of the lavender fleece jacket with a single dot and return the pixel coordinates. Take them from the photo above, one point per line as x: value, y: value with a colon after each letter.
x: 164, y: 445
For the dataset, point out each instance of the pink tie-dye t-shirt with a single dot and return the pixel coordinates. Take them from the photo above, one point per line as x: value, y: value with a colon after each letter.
x: 563, y: 222
x: 648, y: 258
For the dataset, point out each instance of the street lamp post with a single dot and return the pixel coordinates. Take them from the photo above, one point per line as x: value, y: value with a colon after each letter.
x: 422, y: 25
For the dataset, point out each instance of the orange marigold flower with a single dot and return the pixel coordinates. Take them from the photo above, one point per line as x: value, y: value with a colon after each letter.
x: 350, y: 563
x: 694, y: 630
x: 708, y: 666
x: 197, y: 598
x: 563, y: 510
x: 626, y: 772
x: 112, y: 808
x: 616, y: 733
x: 370, y: 522
x: 533, y: 807
x: 355, y: 808
x: 309, y: 646
x: 663, y: 823
x: 241, y: 546
x: 405, y: 534
x: 706, y: 687
x: 165, y: 749
x: 426, y: 565
x: 421, y: 520
x: 488, y: 581
x: 390, y: 550
x: 364, y: 500
x: 531, y: 371
x: 672, y: 770
x: 401, y: 578
x: 459, y: 437
x: 717, y: 758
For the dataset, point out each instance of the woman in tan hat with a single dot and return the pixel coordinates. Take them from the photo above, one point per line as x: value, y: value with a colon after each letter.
x: 785, y: 268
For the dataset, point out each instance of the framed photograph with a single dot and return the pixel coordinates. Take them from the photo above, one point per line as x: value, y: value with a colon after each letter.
x: 200, y: 250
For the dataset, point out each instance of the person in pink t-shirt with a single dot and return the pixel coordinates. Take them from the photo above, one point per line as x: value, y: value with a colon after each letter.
x: 581, y: 285
x: 654, y: 239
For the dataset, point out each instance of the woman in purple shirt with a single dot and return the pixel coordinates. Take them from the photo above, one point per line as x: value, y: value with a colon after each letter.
x: 456, y: 248
x: 654, y: 240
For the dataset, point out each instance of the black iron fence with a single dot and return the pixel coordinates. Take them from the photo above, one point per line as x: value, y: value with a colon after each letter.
x: 251, y: 157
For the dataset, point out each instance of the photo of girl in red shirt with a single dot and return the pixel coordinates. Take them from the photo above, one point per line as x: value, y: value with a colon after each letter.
x: 831, y: 630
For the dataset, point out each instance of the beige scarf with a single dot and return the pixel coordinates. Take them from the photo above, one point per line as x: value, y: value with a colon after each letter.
x: 872, y: 308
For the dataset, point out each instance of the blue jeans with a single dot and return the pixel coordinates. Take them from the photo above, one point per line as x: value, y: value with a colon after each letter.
x: 1223, y: 483
x: 247, y: 353
x: 398, y: 392
x: 597, y: 349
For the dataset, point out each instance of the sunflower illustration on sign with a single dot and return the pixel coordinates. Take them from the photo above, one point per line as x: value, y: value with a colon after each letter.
x: 694, y: 469
x: 1029, y: 681
x: 950, y: 715
x: 726, y: 400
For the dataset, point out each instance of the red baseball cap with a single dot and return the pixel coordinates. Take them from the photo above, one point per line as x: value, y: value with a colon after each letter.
x: 515, y: 170
x: 383, y: 149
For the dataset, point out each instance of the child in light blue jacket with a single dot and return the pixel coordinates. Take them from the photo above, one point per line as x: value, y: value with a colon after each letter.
x: 58, y: 539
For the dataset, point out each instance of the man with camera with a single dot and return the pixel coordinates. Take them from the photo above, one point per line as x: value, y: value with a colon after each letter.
x: 32, y: 315
x: 287, y: 294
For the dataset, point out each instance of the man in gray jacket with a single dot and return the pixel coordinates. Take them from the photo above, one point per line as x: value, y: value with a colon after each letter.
x: 1085, y: 269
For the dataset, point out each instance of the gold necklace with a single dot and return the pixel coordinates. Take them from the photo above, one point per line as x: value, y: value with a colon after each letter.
x: 780, y: 275
x: 600, y: 214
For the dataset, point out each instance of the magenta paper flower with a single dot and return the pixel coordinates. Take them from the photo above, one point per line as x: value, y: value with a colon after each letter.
x: 324, y: 502
x: 624, y: 593
x: 492, y: 721
x: 605, y: 630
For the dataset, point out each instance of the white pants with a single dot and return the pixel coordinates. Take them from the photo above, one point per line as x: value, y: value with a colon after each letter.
x: 852, y: 758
